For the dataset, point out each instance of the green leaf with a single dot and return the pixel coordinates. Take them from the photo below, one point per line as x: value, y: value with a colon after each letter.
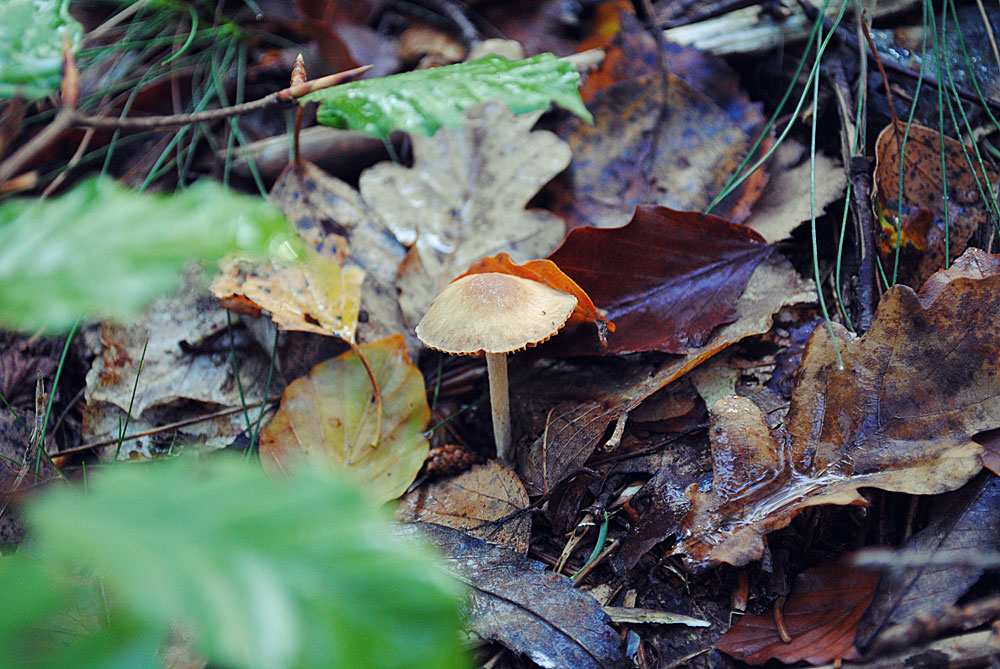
x: 424, y: 100
x: 31, y: 43
x: 270, y: 573
x: 103, y: 249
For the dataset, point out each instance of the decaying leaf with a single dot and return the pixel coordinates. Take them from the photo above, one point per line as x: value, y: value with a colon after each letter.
x: 899, y: 416
x: 667, y: 279
x: 657, y: 145
x: 464, y: 199
x: 484, y: 502
x: 585, y: 398
x: 820, y: 615
x: 534, y: 612
x: 187, y: 360
x: 921, y: 238
x: 329, y: 417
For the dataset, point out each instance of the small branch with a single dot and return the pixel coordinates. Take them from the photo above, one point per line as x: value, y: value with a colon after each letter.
x: 284, y: 96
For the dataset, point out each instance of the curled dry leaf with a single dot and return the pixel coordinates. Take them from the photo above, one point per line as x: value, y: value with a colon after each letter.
x: 484, y: 502
x: 820, y: 616
x: 899, y: 416
x: 548, y: 273
x: 517, y: 602
x: 328, y: 418
x: 667, y: 279
x: 317, y: 296
x: 921, y: 238
x: 464, y: 199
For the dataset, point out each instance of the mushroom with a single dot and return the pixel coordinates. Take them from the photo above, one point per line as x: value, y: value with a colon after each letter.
x: 495, y: 314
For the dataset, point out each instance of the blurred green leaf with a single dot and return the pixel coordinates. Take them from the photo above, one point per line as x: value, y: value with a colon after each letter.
x: 106, y: 250
x: 270, y: 573
x: 31, y: 43
x: 424, y: 100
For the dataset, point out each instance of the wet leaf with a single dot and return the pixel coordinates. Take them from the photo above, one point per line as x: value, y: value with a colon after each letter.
x: 964, y: 522
x: 548, y: 273
x: 483, y: 502
x: 424, y: 100
x: 820, y: 615
x: 654, y: 145
x: 667, y: 279
x: 464, y: 199
x: 922, y: 227
x: 531, y: 611
x: 104, y: 250
x: 31, y: 44
x: 899, y: 416
x: 328, y: 418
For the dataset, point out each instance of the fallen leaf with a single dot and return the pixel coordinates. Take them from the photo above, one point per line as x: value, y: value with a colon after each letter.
x: 784, y: 204
x: 320, y: 205
x: 655, y: 145
x: 328, y: 418
x: 899, y: 416
x: 517, y: 602
x: 548, y: 273
x: 464, y: 199
x: 921, y: 238
x: 174, y: 373
x: 317, y: 296
x: 587, y: 396
x: 487, y: 502
x: 964, y: 522
x: 667, y: 279
x: 821, y: 615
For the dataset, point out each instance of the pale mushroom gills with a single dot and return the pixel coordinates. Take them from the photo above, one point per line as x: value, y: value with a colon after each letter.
x: 495, y: 314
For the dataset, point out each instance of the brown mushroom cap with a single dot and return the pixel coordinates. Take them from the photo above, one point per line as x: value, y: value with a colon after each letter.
x: 493, y: 313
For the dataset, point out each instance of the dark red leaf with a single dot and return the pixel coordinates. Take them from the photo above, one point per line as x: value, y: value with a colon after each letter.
x: 667, y: 279
x: 821, y: 616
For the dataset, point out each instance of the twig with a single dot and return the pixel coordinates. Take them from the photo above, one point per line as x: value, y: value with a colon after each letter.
x: 162, y: 428
x: 284, y: 96
x: 62, y: 122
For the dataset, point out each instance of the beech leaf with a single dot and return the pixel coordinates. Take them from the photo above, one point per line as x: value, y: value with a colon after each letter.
x: 329, y: 417
x: 31, y: 45
x: 667, y: 279
x: 899, y: 416
x: 821, y: 615
x: 424, y: 100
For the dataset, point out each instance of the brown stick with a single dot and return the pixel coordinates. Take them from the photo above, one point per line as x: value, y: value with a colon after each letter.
x: 284, y: 96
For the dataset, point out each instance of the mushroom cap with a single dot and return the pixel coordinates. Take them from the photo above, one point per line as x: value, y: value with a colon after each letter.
x: 493, y: 313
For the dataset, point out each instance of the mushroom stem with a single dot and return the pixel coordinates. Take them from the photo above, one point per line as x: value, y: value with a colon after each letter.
x: 496, y: 370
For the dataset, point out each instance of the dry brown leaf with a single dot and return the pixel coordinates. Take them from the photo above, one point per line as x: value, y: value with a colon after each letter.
x: 481, y: 502
x: 319, y: 296
x: 464, y: 199
x: 784, y: 203
x: 899, y: 416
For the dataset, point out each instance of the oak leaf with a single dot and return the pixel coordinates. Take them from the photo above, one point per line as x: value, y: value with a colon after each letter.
x: 899, y: 416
